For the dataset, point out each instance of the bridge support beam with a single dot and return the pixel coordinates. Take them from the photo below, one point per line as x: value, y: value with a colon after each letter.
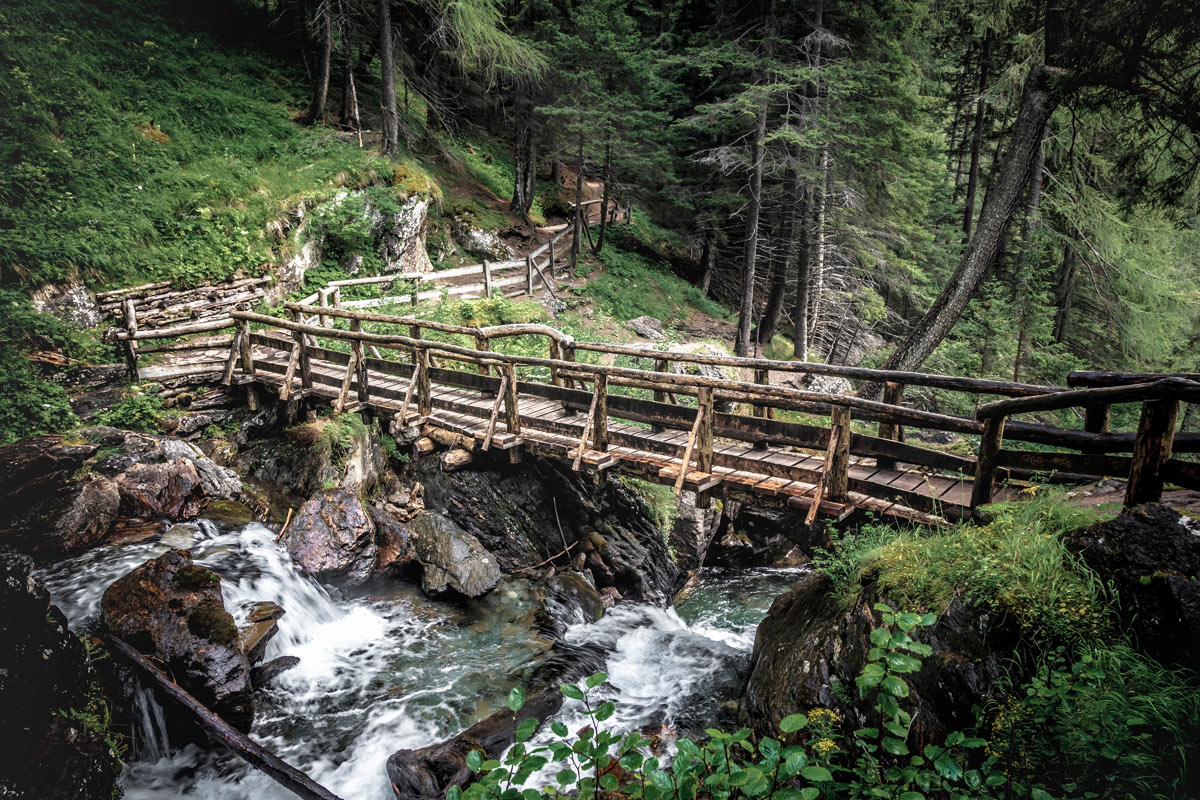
x: 1151, y: 450
x: 985, y: 466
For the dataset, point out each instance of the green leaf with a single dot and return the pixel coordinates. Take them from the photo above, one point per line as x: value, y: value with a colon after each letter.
x: 955, y: 737
x: 660, y: 779
x: 572, y: 691
x: 899, y: 662
x: 475, y: 760
x: 526, y: 729
x: 1037, y: 793
x: 558, y: 728
x: 454, y: 793
x: 816, y: 773
x: 596, y: 679
x: 608, y: 781
x: 565, y: 777
x: 606, y: 710
x: 880, y: 637
x: 794, y: 763
x: 792, y: 723
x: 896, y: 686
x: 896, y: 747
x: 516, y: 699
x: 948, y: 768
x: 912, y: 796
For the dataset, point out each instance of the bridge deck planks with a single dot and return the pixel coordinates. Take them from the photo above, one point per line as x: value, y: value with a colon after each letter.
x: 780, y: 474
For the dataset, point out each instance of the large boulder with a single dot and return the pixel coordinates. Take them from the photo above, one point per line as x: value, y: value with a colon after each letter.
x: 171, y: 608
x: 329, y: 452
x: 526, y: 513
x: 692, y: 530
x: 394, y: 537
x: 170, y: 490
x: 452, y: 558
x: 333, y: 537
x: 45, y: 675
x: 1151, y: 554
x: 45, y: 509
x: 813, y: 644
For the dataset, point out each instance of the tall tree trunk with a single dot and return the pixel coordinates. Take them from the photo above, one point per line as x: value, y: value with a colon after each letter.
x: 1026, y: 264
x: 817, y: 246
x: 577, y: 233
x: 800, y: 309
x: 977, y: 138
x: 1062, y: 292
x: 707, y: 259
x: 607, y: 193
x: 320, y: 91
x: 781, y: 266
x: 390, y: 142
x: 1037, y: 104
x: 525, y: 177
x: 741, y: 345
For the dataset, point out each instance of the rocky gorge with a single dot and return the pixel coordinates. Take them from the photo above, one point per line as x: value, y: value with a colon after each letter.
x: 362, y: 603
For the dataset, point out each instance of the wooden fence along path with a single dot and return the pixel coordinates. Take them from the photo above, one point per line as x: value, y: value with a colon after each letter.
x: 157, y: 312
x: 561, y: 407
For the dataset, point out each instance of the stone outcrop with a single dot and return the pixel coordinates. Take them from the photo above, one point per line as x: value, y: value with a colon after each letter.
x: 45, y: 674
x: 69, y: 301
x: 647, y: 328
x: 760, y: 537
x: 45, y: 509
x: 525, y: 513
x: 261, y: 626
x: 394, y: 538
x: 332, y: 537
x: 692, y: 530
x: 481, y: 243
x: 1152, y: 555
x: 301, y: 460
x: 812, y: 646
x: 452, y: 558
x: 171, y: 609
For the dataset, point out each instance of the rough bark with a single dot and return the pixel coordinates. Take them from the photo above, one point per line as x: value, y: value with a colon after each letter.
x: 707, y: 259
x: 605, y: 197
x: 320, y: 92
x: 817, y: 247
x: 578, y: 221
x: 750, y: 253
x: 525, y: 159
x: 781, y: 266
x: 1037, y: 104
x: 1026, y: 264
x: 977, y: 138
x: 1062, y: 292
x: 391, y: 125
x: 800, y: 310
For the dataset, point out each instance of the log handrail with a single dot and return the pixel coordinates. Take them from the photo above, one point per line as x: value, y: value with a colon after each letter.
x: 1166, y: 388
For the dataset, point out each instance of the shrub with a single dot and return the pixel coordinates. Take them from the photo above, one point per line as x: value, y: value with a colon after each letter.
x: 139, y: 412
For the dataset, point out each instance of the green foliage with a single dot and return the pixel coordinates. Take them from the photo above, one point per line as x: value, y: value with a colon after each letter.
x: 660, y: 501
x: 136, y: 412
x: 814, y: 755
x: 630, y: 286
x: 1018, y: 563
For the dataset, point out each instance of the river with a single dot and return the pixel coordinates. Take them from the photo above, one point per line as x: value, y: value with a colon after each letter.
x: 384, y: 667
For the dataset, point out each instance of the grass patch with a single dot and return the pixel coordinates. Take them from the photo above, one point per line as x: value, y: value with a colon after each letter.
x: 659, y: 499
x: 631, y: 286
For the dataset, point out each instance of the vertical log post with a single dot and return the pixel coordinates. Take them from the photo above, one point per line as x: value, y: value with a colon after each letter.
x: 1151, y: 450
x: 555, y: 355
x: 512, y: 416
x: 131, y: 347
x: 1096, y: 418
x: 704, y: 433
x: 660, y: 395
x: 837, y: 466
x: 414, y: 332
x: 487, y: 278
x: 600, y: 422
x: 424, y: 394
x: 528, y: 274
x: 762, y: 378
x: 364, y: 392
x: 985, y: 466
x: 323, y: 299
x: 550, y: 264
x: 484, y: 347
x: 336, y: 297
x: 305, y: 363
x: 893, y: 395
x: 247, y: 355
x: 235, y: 349
x: 568, y: 354
x: 415, y: 296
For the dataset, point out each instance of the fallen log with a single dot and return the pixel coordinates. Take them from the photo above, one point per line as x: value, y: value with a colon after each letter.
x: 221, y: 731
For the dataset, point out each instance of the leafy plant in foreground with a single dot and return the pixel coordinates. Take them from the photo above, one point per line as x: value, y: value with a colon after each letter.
x: 811, y: 760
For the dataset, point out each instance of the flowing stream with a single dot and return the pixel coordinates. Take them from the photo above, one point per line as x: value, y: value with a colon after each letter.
x: 385, y: 667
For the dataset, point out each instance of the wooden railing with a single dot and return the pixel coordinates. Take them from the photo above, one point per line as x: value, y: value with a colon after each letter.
x: 586, y: 387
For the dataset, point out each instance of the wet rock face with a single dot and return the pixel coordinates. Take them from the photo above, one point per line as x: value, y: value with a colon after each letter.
x: 452, y: 558
x: 333, y: 537
x: 394, y: 538
x: 1152, y: 554
x: 811, y: 647
x: 171, y: 608
x: 692, y: 530
x: 526, y: 513
x: 760, y: 537
x: 44, y: 511
x: 71, y: 302
x: 170, y: 490
x: 43, y: 671
x: 299, y: 462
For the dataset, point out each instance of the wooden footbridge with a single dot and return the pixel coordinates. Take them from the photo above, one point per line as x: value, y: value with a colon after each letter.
x: 740, y: 436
